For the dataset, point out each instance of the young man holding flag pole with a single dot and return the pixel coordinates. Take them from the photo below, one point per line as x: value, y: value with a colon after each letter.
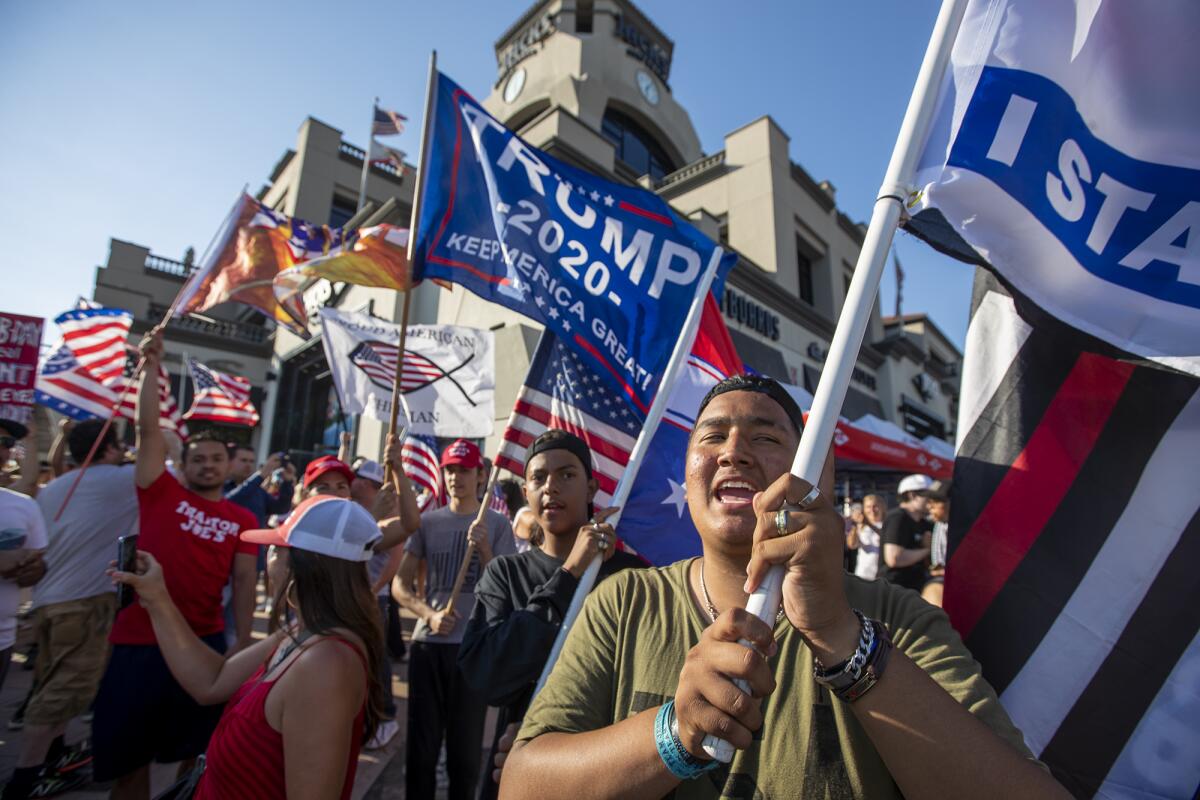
x: 918, y: 737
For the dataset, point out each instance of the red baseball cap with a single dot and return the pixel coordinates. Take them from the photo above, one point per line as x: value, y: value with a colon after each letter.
x: 319, y: 466
x: 463, y: 453
x: 322, y: 524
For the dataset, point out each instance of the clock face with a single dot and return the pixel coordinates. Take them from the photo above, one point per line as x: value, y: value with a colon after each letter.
x: 648, y: 87
x: 516, y: 83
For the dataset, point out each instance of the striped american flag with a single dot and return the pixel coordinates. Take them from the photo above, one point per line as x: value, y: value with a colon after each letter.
x: 1074, y: 539
x: 168, y: 410
x: 378, y: 360
x: 421, y: 465
x: 562, y: 392
x: 70, y: 389
x: 96, y: 337
x: 220, y: 397
x: 387, y: 123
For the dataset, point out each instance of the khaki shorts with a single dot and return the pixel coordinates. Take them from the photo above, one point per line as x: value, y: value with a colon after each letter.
x: 72, y: 642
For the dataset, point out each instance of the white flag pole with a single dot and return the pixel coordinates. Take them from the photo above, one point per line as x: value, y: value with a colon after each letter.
x: 683, y: 346
x: 860, y: 298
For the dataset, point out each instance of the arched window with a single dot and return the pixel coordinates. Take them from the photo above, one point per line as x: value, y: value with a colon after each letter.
x: 635, y: 146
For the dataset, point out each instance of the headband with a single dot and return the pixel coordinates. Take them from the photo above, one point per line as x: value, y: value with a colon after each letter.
x: 762, y: 385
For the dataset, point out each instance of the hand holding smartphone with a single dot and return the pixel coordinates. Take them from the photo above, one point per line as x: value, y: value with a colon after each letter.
x: 126, y: 562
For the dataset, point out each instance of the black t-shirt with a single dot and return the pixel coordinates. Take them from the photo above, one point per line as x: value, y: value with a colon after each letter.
x: 519, y: 605
x: 899, y: 528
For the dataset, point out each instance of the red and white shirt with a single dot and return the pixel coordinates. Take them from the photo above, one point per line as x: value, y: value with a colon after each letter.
x: 195, y: 540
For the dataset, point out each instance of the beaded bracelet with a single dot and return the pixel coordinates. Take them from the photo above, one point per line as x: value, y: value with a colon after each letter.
x: 679, y: 761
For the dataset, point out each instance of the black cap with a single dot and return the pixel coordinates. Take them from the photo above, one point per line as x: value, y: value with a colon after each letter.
x: 938, y: 490
x: 762, y: 385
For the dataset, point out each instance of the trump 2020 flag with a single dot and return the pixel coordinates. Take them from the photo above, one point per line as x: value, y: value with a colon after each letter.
x: 610, y: 269
x: 1074, y: 540
x: 1065, y: 154
x: 449, y: 379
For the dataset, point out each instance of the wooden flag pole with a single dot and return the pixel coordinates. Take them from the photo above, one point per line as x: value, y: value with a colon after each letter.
x: 414, y: 218
x: 466, y: 562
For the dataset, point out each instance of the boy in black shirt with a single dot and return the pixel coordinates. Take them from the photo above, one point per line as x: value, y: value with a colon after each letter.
x: 521, y: 598
x: 904, y: 538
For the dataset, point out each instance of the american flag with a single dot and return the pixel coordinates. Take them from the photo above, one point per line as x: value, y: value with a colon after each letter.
x: 96, y: 337
x: 420, y: 458
x: 168, y: 411
x: 71, y: 389
x: 497, y: 502
x: 378, y: 360
x: 562, y: 392
x: 387, y: 123
x: 220, y: 397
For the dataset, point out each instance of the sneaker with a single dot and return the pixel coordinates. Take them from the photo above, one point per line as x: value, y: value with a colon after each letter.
x: 71, y: 759
x: 54, y: 784
x: 386, y: 731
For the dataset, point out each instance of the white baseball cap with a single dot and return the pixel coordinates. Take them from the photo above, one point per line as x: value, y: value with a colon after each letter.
x: 324, y: 524
x: 914, y: 483
x: 370, y: 470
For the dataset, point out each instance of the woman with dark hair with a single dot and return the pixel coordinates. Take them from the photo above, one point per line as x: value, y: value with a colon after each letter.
x: 521, y: 598
x: 301, y: 702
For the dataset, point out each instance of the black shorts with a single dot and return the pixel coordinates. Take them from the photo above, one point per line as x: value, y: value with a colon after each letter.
x: 142, y: 714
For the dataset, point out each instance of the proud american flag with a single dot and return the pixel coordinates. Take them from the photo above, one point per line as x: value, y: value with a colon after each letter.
x: 220, y: 397
x: 96, y: 336
x: 562, y: 392
x: 378, y: 360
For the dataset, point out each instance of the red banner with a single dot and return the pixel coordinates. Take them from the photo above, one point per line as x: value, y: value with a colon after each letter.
x: 20, y: 338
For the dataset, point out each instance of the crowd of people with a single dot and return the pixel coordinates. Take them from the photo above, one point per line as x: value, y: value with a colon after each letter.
x: 858, y: 688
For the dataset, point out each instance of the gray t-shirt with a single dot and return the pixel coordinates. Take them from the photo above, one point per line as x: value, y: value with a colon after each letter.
x: 84, y: 540
x: 442, y: 541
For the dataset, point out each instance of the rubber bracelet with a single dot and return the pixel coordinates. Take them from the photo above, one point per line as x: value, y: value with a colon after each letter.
x: 679, y: 761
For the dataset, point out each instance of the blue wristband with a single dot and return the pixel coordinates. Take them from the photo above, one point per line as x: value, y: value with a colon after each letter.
x: 679, y: 761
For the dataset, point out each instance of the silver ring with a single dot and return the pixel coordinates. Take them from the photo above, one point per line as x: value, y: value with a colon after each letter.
x: 813, y: 495
x: 781, y: 521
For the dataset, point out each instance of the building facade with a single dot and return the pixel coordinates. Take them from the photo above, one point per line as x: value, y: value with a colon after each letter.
x: 588, y: 81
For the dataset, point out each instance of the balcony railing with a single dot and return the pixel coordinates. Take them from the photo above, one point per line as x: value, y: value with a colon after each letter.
x: 177, y: 269
x: 358, y: 155
x: 225, y: 329
x: 691, y: 170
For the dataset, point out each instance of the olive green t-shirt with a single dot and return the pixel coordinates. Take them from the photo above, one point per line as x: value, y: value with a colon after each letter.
x: 626, y: 650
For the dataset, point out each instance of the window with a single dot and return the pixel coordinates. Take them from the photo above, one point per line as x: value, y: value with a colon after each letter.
x: 583, y: 16
x: 341, y: 211
x: 635, y: 146
x: 804, y: 269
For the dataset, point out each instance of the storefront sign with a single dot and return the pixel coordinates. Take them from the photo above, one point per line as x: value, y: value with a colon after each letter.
x: 523, y: 44
x: 750, y: 314
x: 860, y: 376
x: 645, y: 48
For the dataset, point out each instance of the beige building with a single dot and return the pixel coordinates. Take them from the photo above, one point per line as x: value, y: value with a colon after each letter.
x: 588, y: 81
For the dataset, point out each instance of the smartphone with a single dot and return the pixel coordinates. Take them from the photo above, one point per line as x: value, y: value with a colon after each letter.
x: 126, y: 562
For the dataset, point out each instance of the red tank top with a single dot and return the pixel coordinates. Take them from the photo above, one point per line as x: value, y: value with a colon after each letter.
x: 245, y: 754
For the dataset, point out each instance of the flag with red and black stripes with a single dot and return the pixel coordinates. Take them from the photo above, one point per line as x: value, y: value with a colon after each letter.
x: 1074, y: 546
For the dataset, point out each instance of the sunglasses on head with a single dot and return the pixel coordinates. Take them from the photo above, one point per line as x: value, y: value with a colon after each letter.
x: 8, y: 441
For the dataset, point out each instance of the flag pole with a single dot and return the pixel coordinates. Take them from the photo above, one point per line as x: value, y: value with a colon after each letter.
x: 112, y: 414
x: 366, y: 167
x: 817, y: 435
x: 483, y: 505
x: 683, y: 346
x: 412, y: 228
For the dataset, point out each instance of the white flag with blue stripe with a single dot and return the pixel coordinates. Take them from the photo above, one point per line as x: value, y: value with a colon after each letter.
x: 1065, y: 155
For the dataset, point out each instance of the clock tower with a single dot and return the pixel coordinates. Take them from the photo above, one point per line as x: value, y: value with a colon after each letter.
x: 589, y: 82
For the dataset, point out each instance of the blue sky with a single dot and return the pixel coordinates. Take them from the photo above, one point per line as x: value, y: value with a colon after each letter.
x: 142, y: 120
